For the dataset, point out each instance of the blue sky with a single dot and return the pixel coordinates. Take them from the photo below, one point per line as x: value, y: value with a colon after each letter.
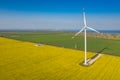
x: 59, y: 14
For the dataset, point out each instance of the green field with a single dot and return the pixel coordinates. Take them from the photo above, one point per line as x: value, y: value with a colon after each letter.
x: 64, y: 39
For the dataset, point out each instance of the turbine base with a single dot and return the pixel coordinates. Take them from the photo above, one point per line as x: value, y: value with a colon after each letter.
x: 85, y: 64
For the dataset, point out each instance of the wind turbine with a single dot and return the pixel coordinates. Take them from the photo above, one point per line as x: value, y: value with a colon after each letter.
x: 85, y: 38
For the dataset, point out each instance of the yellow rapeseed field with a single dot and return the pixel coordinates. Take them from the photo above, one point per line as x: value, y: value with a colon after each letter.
x: 25, y: 61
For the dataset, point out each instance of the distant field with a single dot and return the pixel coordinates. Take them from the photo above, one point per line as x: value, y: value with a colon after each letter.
x: 64, y: 39
x: 21, y: 60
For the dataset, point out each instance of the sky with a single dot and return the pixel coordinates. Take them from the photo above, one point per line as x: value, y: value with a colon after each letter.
x: 59, y: 14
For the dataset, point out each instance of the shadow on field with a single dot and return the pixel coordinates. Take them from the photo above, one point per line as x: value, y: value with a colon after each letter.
x: 93, y: 59
x: 102, y: 50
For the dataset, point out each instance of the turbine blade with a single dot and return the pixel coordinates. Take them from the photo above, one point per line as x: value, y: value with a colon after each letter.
x: 84, y: 19
x: 79, y: 32
x: 93, y: 29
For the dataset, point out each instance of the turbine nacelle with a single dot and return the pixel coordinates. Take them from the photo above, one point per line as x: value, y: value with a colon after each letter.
x: 89, y: 28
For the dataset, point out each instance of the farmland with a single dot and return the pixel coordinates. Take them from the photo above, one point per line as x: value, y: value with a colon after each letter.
x: 21, y: 60
x: 64, y: 39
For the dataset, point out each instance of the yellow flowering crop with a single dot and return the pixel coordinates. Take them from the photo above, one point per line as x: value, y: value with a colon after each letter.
x: 25, y: 61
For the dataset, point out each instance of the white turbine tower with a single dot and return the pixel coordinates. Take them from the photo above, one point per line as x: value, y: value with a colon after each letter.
x: 85, y: 38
